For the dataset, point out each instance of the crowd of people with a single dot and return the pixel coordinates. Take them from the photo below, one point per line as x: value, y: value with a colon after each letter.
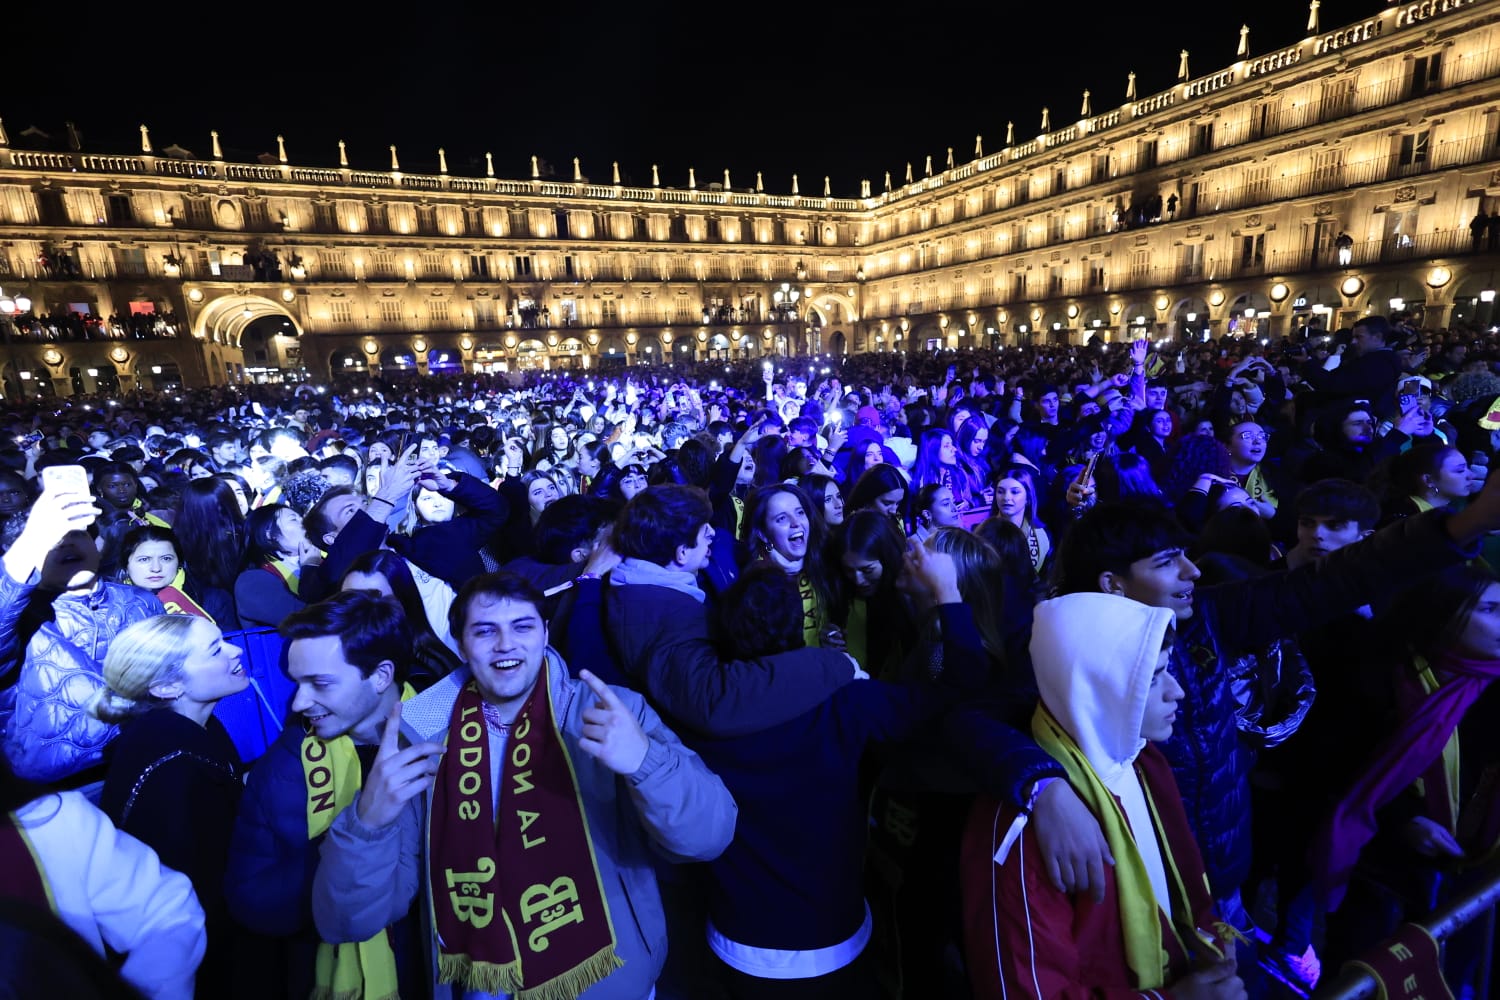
x: 1113, y: 669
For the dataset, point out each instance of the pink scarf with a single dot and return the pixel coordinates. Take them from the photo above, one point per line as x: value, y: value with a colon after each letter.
x: 1403, y: 757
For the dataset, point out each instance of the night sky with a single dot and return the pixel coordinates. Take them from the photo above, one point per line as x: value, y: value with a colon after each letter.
x: 825, y: 87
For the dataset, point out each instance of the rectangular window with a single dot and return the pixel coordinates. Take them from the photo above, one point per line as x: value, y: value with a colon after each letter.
x: 383, y: 266
x: 324, y: 219
x: 1253, y: 250
x: 1096, y: 275
x: 1203, y: 138
x: 569, y: 270
x: 479, y: 266
x: 1412, y: 148
x: 484, y: 314
x: 523, y: 266
x: 560, y: 221
x: 1059, y: 180
x: 433, y: 266
x: 1190, y: 261
x: 1140, y: 263
x: 1145, y: 157
x: 1055, y: 227
x: 1328, y: 168
x: 1426, y: 74
x: 118, y: 210
x: 256, y: 219
x: 1257, y: 183
x: 340, y: 312
x: 1018, y: 285
x: 1102, y: 168
x: 609, y: 312
x: 331, y: 264
x: 438, y: 312
x: 390, y: 312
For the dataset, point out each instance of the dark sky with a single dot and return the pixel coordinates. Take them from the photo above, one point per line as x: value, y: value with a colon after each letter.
x: 821, y: 87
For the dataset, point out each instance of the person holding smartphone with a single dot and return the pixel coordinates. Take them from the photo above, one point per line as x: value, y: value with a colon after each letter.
x: 49, y: 735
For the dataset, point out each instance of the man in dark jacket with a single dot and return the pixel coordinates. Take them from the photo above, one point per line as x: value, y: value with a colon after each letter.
x: 1368, y: 370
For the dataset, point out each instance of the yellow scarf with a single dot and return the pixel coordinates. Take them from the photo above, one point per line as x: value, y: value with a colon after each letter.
x: 856, y: 635
x: 1257, y: 486
x: 348, y: 971
x: 288, y: 571
x: 812, y: 613
x: 1139, y: 910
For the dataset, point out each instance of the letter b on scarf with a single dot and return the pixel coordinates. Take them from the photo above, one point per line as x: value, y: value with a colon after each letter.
x: 470, y: 905
x: 556, y: 904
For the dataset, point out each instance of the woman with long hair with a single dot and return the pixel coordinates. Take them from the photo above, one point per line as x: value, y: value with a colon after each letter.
x: 423, y: 597
x: 1151, y: 435
x: 919, y: 778
x: 1017, y: 500
x: 868, y: 553
x: 779, y: 529
x: 884, y: 488
x: 593, y: 459
x: 933, y: 507
x: 211, y: 531
x: 151, y: 558
x: 1426, y: 475
x: 937, y: 462
x: 277, y: 550
x: 827, y: 498
x: 973, y: 437
x: 241, y: 490
x: 174, y: 777
x: 866, y: 450
x: 1420, y: 811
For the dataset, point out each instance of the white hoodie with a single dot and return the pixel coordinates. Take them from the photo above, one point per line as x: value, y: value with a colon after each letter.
x: 1094, y: 655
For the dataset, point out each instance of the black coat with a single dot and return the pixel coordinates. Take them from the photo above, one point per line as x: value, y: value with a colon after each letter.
x: 175, y: 786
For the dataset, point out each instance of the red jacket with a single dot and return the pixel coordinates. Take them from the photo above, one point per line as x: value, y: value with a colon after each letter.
x: 1050, y: 945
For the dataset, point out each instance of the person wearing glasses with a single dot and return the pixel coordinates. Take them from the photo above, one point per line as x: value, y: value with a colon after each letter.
x: 1248, y: 442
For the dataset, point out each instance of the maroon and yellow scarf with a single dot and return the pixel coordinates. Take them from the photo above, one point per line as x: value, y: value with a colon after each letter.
x: 176, y: 600
x: 532, y: 865
x: 287, y: 571
x: 21, y: 875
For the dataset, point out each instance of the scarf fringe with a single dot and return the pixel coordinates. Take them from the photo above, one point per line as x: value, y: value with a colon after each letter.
x: 328, y: 993
x: 572, y: 983
x: 486, y: 977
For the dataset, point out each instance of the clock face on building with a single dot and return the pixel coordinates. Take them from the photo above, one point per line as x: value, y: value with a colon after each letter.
x: 52, y: 356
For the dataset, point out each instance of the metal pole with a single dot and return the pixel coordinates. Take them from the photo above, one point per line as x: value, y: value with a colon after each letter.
x: 1354, y: 984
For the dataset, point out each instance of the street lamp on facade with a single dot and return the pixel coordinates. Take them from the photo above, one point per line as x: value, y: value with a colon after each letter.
x: 784, y: 308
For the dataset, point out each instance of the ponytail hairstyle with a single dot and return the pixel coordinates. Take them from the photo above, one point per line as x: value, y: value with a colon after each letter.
x: 142, y: 655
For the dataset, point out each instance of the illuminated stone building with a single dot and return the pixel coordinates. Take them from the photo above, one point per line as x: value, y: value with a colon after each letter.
x: 1296, y: 188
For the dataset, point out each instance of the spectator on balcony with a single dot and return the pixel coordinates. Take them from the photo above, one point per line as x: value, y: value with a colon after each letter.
x: 1477, y: 227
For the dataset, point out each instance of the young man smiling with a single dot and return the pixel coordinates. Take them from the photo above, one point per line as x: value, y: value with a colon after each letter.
x: 551, y: 797
x: 347, y: 656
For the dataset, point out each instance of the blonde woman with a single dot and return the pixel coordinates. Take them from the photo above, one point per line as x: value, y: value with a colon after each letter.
x: 175, y: 778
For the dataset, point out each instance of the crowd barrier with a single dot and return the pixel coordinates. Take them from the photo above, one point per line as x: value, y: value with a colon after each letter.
x: 254, y: 716
x: 1354, y: 983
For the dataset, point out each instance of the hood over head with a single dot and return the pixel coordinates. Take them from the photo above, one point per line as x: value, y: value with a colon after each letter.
x: 1094, y: 655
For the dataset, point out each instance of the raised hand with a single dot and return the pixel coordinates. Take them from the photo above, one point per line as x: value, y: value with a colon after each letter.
x: 55, y: 513
x: 936, y: 570
x: 1138, y: 351
x: 398, y: 775
x: 611, y: 733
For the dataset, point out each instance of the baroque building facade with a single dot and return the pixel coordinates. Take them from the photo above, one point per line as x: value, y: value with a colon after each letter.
x: 1299, y: 189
